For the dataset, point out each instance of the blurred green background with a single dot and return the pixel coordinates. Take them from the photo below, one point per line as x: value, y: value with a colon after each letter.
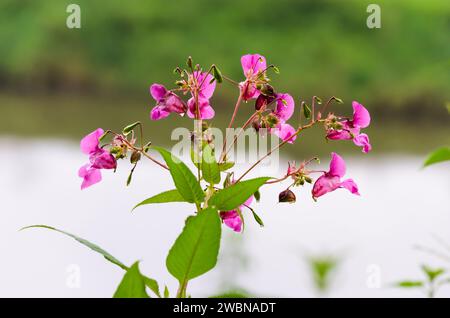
x: 60, y: 82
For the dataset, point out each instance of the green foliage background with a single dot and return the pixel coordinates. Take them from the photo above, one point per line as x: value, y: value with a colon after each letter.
x: 322, y: 47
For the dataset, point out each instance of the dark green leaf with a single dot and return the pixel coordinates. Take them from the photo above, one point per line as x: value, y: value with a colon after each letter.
x: 184, y: 179
x: 306, y: 111
x: 92, y: 246
x: 257, y: 196
x: 132, y: 284
x: 236, y: 194
x: 163, y: 197
x: 217, y: 74
x: 439, y: 155
x: 195, y: 250
x: 210, y: 168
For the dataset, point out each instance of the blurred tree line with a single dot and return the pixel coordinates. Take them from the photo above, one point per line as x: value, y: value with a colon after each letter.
x: 322, y: 47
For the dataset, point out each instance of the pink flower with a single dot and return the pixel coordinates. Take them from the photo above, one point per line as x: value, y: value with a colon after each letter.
x: 232, y: 220
x: 206, y: 111
x: 99, y: 159
x: 203, y: 84
x: 166, y: 102
x: 201, y: 81
x: 285, y: 131
x: 252, y: 65
x: 351, y: 128
x: 285, y: 106
x: 284, y: 110
x: 331, y: 180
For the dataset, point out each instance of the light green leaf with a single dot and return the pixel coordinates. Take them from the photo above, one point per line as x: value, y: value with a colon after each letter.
x: 236, y: 194
x: 195, y: 250
x: 432, y: 273
x: 210, y: 168
x: 409, y: 284
x: 128, y: 129
x: 92, y: 246
x: 132, y: 284
x: 224, y: 166
x: 184, y: 179
x: 166, y: 292
x: 152, y: 284
x: 163, y: 197
x: 439, y: 155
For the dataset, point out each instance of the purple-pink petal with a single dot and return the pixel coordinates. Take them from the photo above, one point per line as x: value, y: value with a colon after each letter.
x: 158, y: 113
x: 158, y: 92
x: 232, y: 220
x: 206, y: 89
x: 337, y: 166
x: 350, y: 185
x: 253, y: 63
x: 361, y: 116
x: 285, y: 131
x: 362, y: 140
x: 102, y: 159
x: 90, y: 176
x: 324, y: 184
x: 206, y: 111
x: 89, y: 144
x: 285, y: 106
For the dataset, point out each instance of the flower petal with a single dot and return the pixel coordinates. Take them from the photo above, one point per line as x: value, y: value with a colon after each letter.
x: 324, y: 184
x: 285, y: 106
x: 337, y: 165
x: 350, y: 185
x: 158, y: 92
x: 253, y: 63
x: 285, y: 131
x: 362, y: 140
x: 206, y: 89
x: 103, y: 160
x: 361, y: 116
x: 158, y: 113
x: 89, y: 144
x: 232, y: 220
x: 90, y: 176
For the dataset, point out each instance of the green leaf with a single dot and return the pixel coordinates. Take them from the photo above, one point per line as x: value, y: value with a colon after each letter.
x: 224, y: 166
x: 432, y: 273
x: 236, y: 194
x: 163, y: 197
x: 152, y: 284
x: 306, y: 111
x: 210, y: 168
x: 409, y: 284
x: 92, y: 246
x: 184, y: 179
x: 128, y: 129
x: 257, y: 196
x: 132, y: 284
x: 217, y: 74
x: 195, y: 250
x: 166, y: 292
x: 439, y: 155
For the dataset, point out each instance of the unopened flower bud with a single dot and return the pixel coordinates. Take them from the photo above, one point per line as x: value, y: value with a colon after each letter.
x: 286, y: 196
x: 135, y: 157
x: 256, y: 124
x: 272, y: 120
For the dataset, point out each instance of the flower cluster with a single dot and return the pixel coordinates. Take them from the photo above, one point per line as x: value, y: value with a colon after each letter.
x: 272, y: 111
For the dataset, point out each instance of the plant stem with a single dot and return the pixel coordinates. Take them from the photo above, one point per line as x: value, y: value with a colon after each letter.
x: 276, y: 148
x: 236, y: 107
